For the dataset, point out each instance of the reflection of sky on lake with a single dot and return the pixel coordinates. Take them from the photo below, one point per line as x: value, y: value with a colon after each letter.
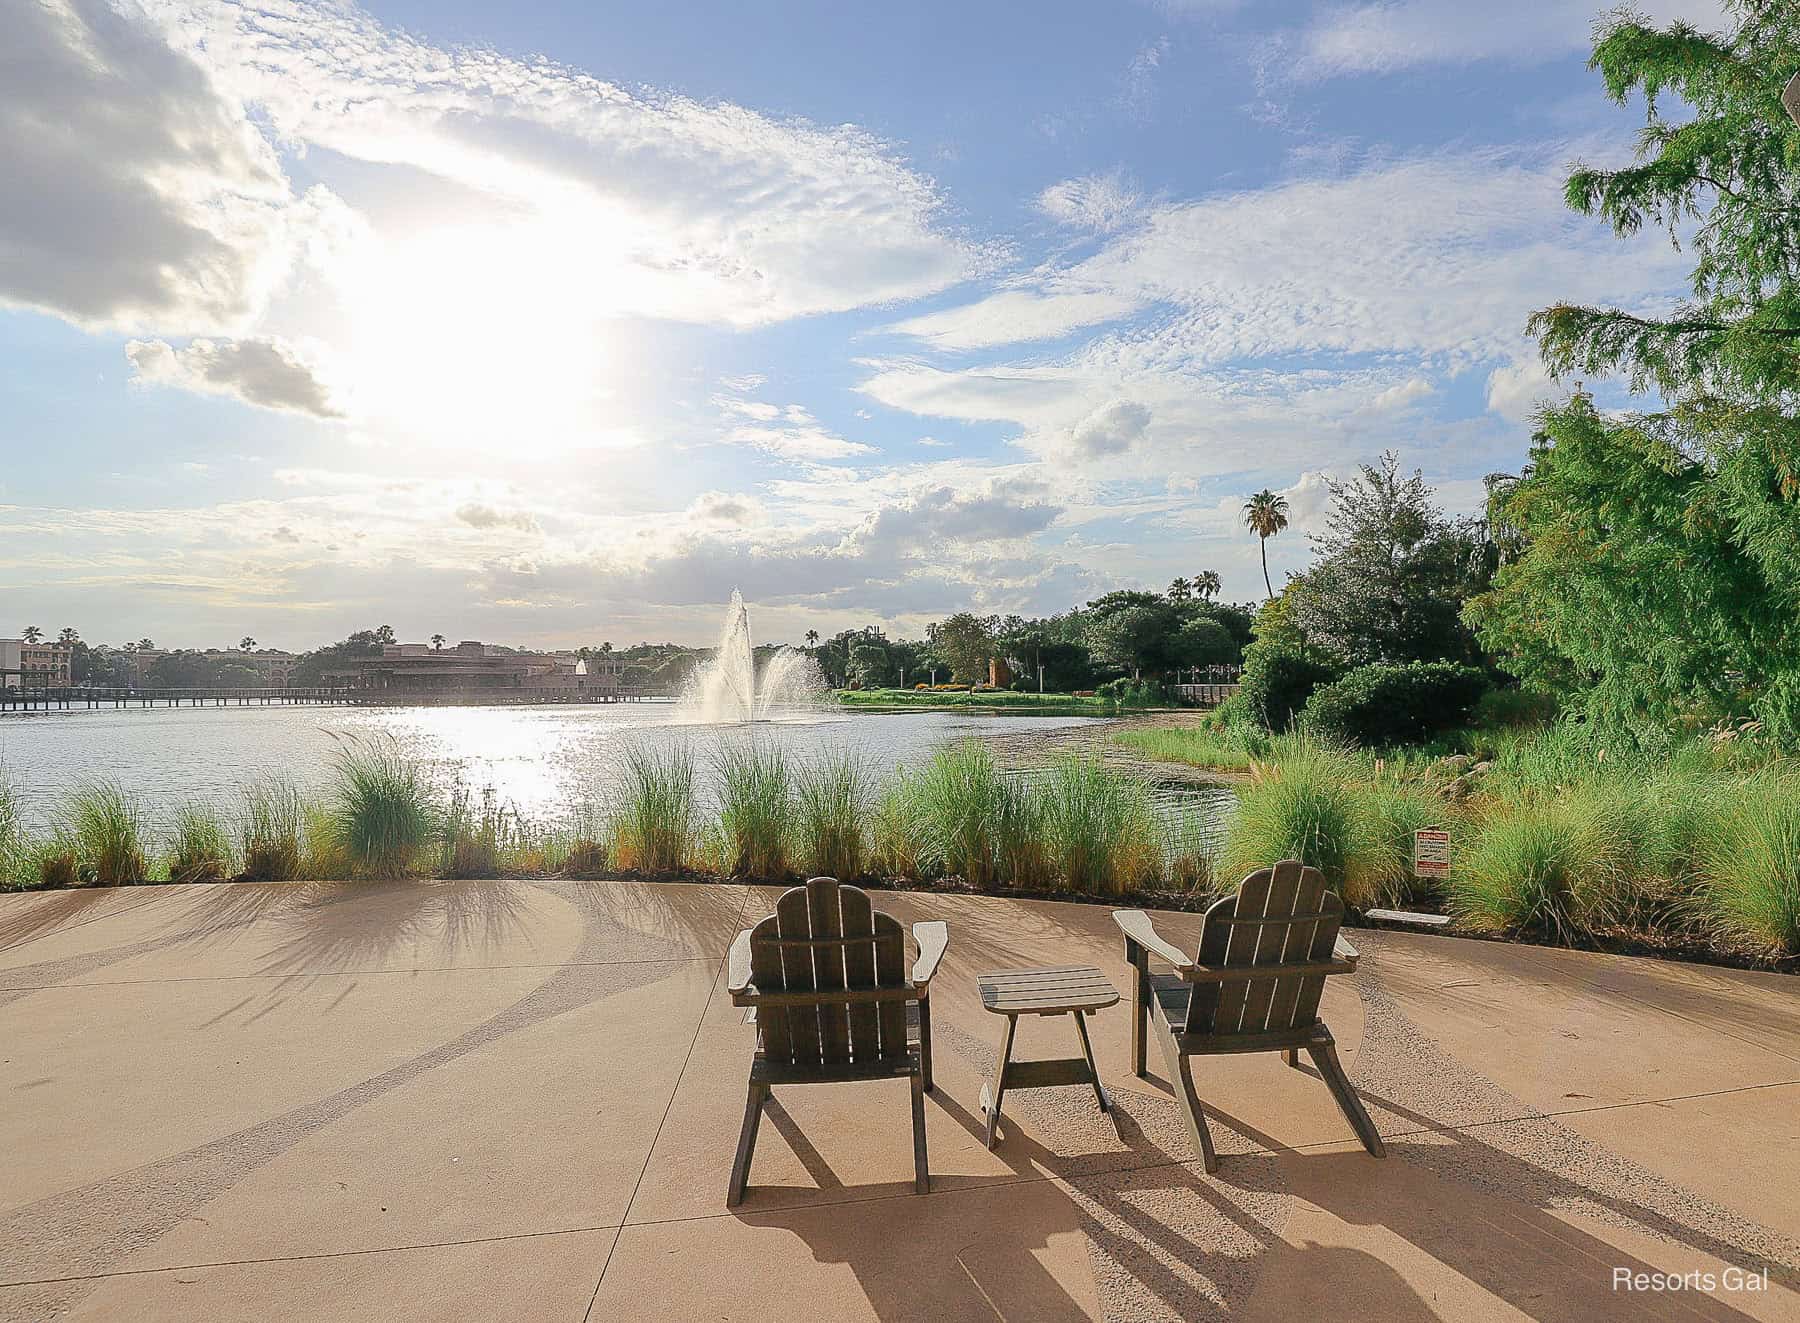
x: 538, y: 759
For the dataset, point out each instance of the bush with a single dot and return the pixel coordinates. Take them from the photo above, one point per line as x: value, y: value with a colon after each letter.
x: 755, y: 805
x: 831, y: 800
x: 1550, y: 864
x: 1309, y: 808
x: 381, y: 816
x: 959, y: 799
x: 655, y: 823
x: 1749, y: 866
x: 273, y: 816
x: 1134, y: 693
x: 1516, y: 706
x: 1099, y: 827
x: 1387, y: 703
x: 1275, y: 685
x: 107, y: 832
x: 201, y: 849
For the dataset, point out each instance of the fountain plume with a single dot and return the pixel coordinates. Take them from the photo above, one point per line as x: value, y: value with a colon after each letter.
x: 728, y: 688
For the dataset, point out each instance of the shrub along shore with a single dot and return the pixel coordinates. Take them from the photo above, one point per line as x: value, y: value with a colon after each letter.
x: 1556, y: 836
x: 754, y: 813
x: 1558, y: 833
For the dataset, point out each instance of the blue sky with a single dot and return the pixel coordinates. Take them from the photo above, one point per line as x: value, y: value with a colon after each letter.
x: 552, y: 323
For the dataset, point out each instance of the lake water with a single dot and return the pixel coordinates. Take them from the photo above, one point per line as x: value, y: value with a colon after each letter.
x: 541, y: 760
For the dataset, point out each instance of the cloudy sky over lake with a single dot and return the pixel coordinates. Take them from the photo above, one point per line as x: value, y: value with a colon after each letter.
x: 552, y: 322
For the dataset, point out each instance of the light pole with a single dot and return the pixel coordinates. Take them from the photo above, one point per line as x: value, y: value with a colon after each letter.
x: 1791, y: 98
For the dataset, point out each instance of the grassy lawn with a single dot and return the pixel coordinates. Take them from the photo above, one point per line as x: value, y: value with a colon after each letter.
x: 1024, y: 704
x: 1198, y: 746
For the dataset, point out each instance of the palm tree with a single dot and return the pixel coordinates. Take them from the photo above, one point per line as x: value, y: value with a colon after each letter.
x: 1207, y: 584
x: 437, y: 642
x: 812, y: 638
x: 246, y: 644
x: 1180, y: 591
x: 1266, y: 514
x: 32, y: 634
x: 145, y: 645
x: 70, y: 635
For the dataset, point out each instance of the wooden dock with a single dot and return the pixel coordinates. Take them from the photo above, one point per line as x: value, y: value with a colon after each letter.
x: 41, y: 699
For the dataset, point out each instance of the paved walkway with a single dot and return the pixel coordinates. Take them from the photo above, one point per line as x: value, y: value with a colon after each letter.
x: 518, y: 1101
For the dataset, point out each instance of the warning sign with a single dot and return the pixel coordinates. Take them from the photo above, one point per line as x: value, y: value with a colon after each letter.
x: 1431, y: 853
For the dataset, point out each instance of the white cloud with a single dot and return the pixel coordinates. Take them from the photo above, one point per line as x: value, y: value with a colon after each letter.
x: 1112, y: 429
x: 1515, y: 390
x: 477, y: 515
x: 787, y: 432
x: 1016, y: 315
x: 1138, y: 94
x: 1407, y: 392
x: 1098, y: 203
x: 1399, y: 34
x: 136, y: 195
x: 267, y: 373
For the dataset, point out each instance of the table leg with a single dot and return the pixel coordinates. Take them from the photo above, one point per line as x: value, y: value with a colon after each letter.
x: 1087, y: 1050
x: 990, y: 1098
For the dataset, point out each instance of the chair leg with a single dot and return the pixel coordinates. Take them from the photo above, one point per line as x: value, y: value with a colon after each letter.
x: 740, y: 1166
x: 1326, y: 1059
x: 925, y: 1040
x: 1183, y: 1079
x: 991, y: 1094
x: 1293, y: 1057
x: 1087, y: 1050
x: 1140, y: 1019
x: 921, y: 1164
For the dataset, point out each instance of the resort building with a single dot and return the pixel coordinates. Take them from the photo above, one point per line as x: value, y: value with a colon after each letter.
x: 473, y: 670
x: 270, y: 664
x: 41, y: 665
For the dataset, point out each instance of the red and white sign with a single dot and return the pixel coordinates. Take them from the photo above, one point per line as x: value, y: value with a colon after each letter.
x: 1431, y: 853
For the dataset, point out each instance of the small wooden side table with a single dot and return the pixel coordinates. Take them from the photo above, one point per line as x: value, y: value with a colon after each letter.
x: 1066, y: 990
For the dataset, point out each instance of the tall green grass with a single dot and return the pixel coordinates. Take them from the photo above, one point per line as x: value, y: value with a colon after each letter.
x: 1099, y: 828
x: 752, y: 835
x: 1217, y: 747
x: 655, y: 819
x: 477, y: 835
x: 1749, y: 865
x: 831, y: 805
x: 381, y: 814
x: 899, y: 845
x: 1308, y: 808
x: 106, y: 829
x: 274, y: 816
x: 1550, y: 865
x: 200, y: 845
x: 960, y: 797
x: 15, y: 841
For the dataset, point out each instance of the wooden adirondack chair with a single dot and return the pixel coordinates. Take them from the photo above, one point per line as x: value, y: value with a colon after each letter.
x: 827, y: 974
x: 1254, y: 986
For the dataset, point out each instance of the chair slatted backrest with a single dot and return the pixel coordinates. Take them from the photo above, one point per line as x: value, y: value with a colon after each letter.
x: 822, y: 938
x: 1280, y: 915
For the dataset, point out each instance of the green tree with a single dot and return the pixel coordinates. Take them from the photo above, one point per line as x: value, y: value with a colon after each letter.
x: 1391, y: 573
x: 437, y: 642
x: 965, y: 642
x: 870, y: 665
x: 1181, y: 590
x: 247, y: 644
x: 1266, y: 514
x: 70, y: 635
x: 1648, y: 563
x: 32, y: 634
x: 1207, y: 583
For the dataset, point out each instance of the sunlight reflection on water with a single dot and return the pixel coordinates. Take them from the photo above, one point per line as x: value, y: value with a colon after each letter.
x: 540, y: 760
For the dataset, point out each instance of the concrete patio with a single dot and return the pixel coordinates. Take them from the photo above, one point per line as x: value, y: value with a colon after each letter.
x: 510, y: 1100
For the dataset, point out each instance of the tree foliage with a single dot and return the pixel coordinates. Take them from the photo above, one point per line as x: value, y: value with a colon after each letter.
x: 1391, y: 574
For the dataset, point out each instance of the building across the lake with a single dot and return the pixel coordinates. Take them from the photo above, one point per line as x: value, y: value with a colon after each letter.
x: 270, y: 664
x: 473, y: 670
x: 38, y: 665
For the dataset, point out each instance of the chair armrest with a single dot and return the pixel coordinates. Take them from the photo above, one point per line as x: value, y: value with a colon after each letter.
x: 1345, y: 952
x: 738, y: 965
x: 1139, y: 931
x: 933, y: 939
x: 1243, y: 973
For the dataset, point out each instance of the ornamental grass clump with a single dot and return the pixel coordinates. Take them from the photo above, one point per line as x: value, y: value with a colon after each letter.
x: 1749, y: 865
x: 15, y: 842
x: 380, y: 813
x: 106, y: 830
x: 477, y: 835
x: 655, y: 819
x: 1388, y: 813
x: 756, y: 809
x: 1021, y: 856
x: 1308, y: 807
x: 898, y: 844
x: 199, y: 845
x: 1100, y: 827
x: 270, y: 832
x: 1546, y: 865
x: 831, y: 802
x: 960, y: 796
